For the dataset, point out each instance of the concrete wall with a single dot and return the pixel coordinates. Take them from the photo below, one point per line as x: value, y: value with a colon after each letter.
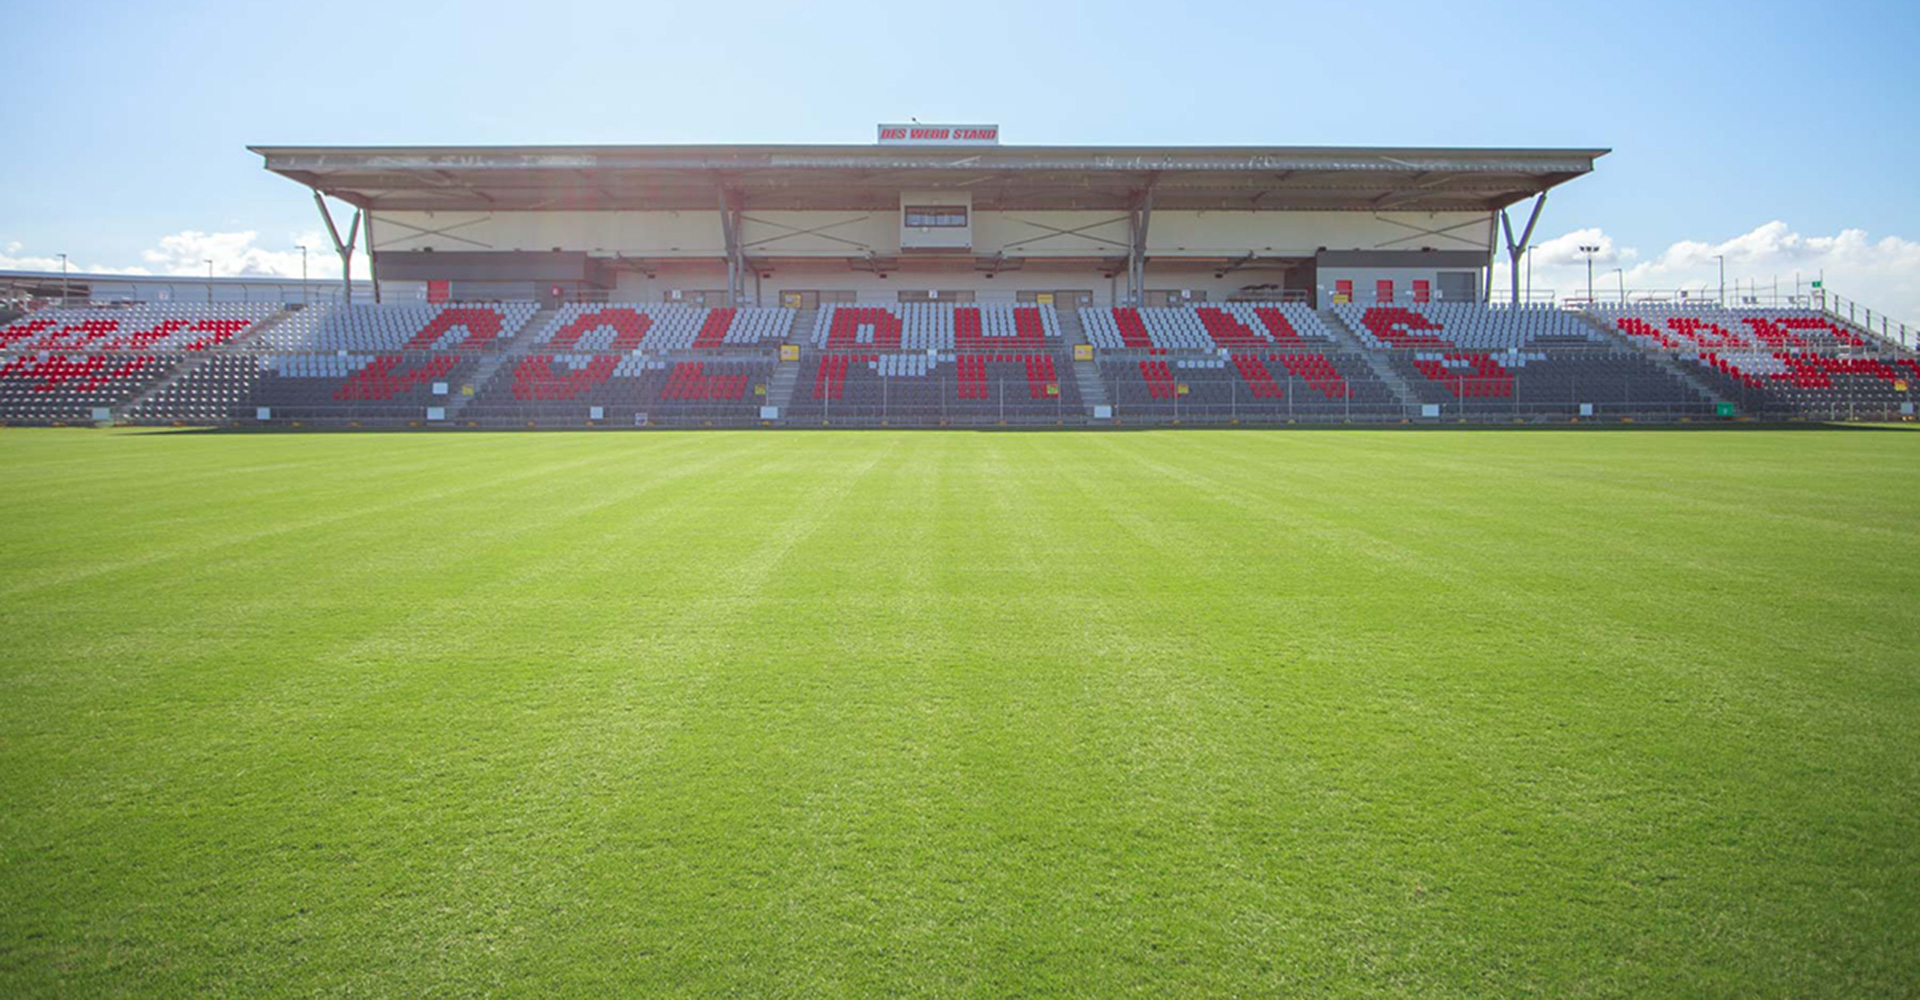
x: 766, y: 287
x: 1366, y: 268
x: 1305, y: 233
x: 936, y: 237
x: 1020, y: 234
x: 1365, y: 282
x: 682, y: 250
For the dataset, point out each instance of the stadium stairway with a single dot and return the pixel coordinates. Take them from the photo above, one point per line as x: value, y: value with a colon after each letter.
x: 1664, y: 360
x: 1086, y: 374
x: 786, y: 379
x: 457, y: 401
x: 1350, y: 343
x: 786, y: 376
x: 801, y: 333
x: 238, y: 345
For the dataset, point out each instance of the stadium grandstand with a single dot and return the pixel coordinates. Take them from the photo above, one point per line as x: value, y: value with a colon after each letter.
x: 920, y: 282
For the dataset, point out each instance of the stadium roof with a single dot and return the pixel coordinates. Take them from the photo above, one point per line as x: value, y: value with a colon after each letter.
x: 868, y: 177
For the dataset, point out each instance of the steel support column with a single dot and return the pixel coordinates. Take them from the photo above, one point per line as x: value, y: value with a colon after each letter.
x: 730, y: 213
x: 1140, y: 245
x: 373, y: 261
x: 1493, y: 250
x: 739, y: 259
x: 726, y: 238
x: 1133, y: 248
x: 1139, y: 221
x: 1515, y: 251
x: 345, y: 250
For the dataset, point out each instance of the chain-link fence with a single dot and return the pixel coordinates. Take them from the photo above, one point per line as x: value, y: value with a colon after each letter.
x: 478, y: 389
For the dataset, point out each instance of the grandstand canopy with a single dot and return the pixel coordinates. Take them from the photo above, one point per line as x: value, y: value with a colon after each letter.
x: 521, y: 178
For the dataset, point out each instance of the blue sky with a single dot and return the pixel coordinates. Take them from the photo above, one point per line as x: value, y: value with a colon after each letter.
x: 1767, y: 131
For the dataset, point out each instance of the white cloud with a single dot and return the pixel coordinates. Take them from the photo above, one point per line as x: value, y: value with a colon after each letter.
x: 235, y: 254
x: 1883, y: 274
x: 1565, y: 250
x: 35, y: 262
x: 186, y: 253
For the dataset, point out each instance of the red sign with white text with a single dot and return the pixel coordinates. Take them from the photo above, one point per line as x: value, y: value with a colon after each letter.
x: 916, y: 134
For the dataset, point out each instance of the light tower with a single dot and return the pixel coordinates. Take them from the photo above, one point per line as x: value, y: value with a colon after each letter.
x: 1589, y: 251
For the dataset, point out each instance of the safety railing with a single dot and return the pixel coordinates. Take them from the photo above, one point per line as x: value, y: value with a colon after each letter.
x: 1519, y: 398
x: 1757, y: 298
x: 1893, y: 333
x: 1277, y: 295
x: 248, y: 390
x: 1864, y: 318
x: 1236, y: 407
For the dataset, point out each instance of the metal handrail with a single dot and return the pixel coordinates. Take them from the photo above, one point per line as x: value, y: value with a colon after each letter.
x: 1862, y: 317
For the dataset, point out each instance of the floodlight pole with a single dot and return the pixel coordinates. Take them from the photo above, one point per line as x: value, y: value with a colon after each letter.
x: 209, y: 281
x: 1722, y: 258
x: 303, y: 273
x: 63, y: 281
x: 1589, y: 251
x: 1623, y: 284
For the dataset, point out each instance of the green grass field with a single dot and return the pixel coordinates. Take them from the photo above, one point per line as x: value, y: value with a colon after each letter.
x: 1553, y: 713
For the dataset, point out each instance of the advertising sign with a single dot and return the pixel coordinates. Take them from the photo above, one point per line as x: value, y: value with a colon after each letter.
x: 916, y: 134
